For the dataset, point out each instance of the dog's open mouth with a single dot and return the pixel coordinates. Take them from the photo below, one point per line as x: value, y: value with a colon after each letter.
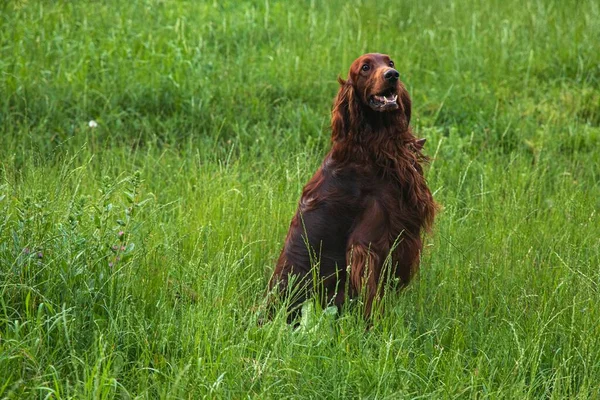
x: 385, y: 100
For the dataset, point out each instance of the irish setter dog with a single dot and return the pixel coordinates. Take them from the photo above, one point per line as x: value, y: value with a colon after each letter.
x: 361, y: 216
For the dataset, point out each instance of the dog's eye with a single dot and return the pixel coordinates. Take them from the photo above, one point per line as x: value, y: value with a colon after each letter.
x: 366, y: 67
x: 391, y: 64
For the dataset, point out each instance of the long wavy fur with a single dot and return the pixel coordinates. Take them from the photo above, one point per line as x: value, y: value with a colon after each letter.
x: 361, y: 133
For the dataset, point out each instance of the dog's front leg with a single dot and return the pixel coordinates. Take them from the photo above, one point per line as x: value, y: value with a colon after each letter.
x: 367, y: 248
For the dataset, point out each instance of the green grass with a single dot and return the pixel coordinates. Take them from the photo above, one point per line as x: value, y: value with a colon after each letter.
x: 212, y: 116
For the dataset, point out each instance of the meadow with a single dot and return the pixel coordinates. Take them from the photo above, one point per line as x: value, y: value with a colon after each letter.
x: 135, y: 251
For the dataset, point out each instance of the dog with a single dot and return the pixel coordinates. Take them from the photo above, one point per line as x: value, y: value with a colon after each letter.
x: 361, y: 217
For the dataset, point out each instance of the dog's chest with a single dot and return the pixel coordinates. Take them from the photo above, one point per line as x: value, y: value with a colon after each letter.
x: 356, y: 186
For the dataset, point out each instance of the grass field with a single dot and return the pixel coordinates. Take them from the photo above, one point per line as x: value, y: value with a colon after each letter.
x: 134, y: 255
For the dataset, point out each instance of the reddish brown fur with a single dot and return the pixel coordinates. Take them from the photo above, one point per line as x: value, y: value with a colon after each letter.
x: 368, y: 198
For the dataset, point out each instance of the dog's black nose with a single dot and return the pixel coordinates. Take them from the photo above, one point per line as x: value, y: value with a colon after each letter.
x: 391, y: 75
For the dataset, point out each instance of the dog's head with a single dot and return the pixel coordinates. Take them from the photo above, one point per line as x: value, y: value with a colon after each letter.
x: 376, y: 81
x: 373, y: 86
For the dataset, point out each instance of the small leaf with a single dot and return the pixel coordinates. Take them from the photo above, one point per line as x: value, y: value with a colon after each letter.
x: 130, y: 197
x: 141, y: 203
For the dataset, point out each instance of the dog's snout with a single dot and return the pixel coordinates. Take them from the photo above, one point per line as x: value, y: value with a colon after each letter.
x: 391, y: 75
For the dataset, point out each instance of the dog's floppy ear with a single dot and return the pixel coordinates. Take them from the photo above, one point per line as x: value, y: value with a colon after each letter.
x: 341, y: 112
